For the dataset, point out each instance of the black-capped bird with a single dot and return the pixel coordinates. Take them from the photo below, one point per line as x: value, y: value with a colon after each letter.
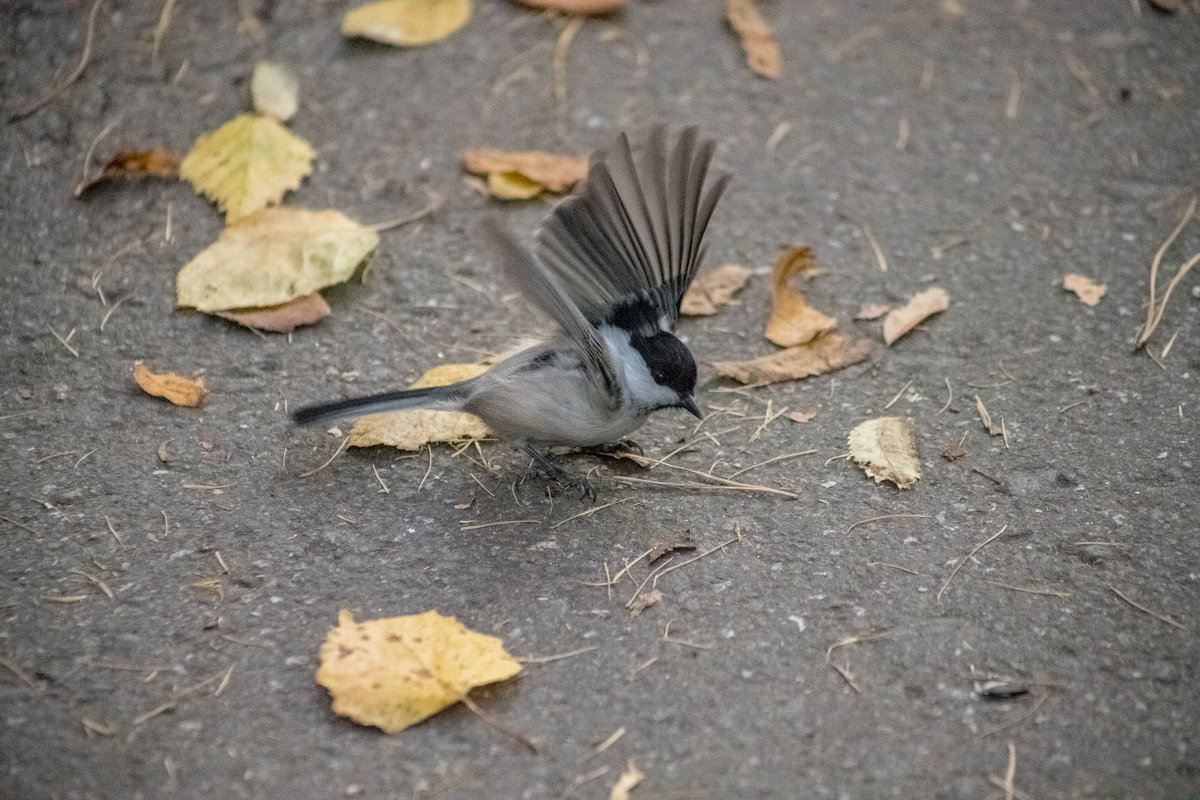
x: 613, y: 261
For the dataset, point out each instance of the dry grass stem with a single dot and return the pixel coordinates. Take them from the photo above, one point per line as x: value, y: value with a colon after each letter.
x: 21, y: 525
x: 561, y: 86
x: 176, y: 697
x: 497, y: 524
x: 336, y: 453
x: 845, y: 641
x: 1160, y: 617
x: 65, y: 342
x: 96, y: 580
x: 1013, y: 104
x: 844, y: 672
x: 1028, y: 590
x: 609, y: 742
x: 21, y: 674
x: 428, y: 469
x: 772, y: 461
x: 384, y: 489
x: 1027, y: 715
x: 589, y: 512
x: 968, y: 557
x: 557, y: 656
x: 903, y: 388
x: 113, y: 531
x: 498, y: 725
x: 886, y: 516
x: 666, y: 637
x: 434, y: 203
x: 112, y: 309
x: 949, y: 398
x: 85, y: 56
x: 876, y: 248
x: 892, y: 566
x: 160, y: 30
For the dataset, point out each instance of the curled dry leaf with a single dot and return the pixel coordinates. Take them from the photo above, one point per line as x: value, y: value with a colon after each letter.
x: 407, y: 23
x: 824, y: 354
x: 801, y: 416
x: 306, y: 310
x: 275, y: 90
x: 272, y: 257
x: 986, y: 418
x: 412, y: 429
x: 885, y: 449
x: 152, y: 162
x: 869, y: 311
x: 1088, y: 290
x: 793, y: 321
x: 758, y: 40
x: 175, y: 388
x: 713, y: 289
x: 900, y: 321
x: 247, y: 164
x: 392, y: 673
x: 523, y: 174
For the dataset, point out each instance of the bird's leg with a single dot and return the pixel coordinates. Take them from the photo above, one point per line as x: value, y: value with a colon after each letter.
x: 551, y: 471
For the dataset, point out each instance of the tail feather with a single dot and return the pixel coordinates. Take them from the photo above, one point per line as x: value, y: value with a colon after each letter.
x: 443, y: 397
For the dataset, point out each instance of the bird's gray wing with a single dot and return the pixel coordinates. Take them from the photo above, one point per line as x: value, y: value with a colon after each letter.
x: 627, y: 244
x: 544, y: 289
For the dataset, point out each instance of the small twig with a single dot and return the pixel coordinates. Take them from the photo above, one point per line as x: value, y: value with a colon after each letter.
x: 385, y: 489
x: 875, y: 247
x: 1160, y: 617
x: 431, y: 206
x: 557, y: 657
x: 885, y: 516
x: 967, y: 558
x: 903, y: 388
x: 85, y: 56
x: 336, y: 453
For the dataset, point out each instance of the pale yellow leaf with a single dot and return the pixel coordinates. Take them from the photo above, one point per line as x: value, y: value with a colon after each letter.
x: 793, y: 321
x: 885, y: 449
x: 1088, y: 290
x: 900, y: 321
x: 625, y: 784
x: 412, y: 429
x: 247, y: 164
x: 407, y: 23
x: 713, y: 289
x: 275, y: 90
x: 274, y: 256
x: 824, y: 354
x: 758, y: 40
x: 168, y: 385
x: 512, y: 186
x: 392, y: 673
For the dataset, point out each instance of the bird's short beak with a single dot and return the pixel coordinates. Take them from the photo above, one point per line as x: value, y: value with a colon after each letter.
x: 690, y: 404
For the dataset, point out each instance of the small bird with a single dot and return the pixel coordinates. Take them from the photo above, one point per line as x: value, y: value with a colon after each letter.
x: 613, y: 261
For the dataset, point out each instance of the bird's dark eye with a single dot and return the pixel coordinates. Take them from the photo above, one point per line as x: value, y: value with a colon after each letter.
x: 657, y: 375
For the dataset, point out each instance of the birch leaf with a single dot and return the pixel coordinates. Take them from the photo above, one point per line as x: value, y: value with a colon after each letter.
x: 407, y: 23
x: 885, y: 449
x: 793, y: 321
x: 412, y: 429
x: 274, y: 256
x: 247, y: 164
x: 824, y: 354
x: 393, y: 673
x: 275, y: 90
x: 526, y: 169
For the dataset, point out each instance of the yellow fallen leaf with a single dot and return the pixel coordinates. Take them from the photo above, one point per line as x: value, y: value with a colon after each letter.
x: 273, y: 256
x: 172, y: 387
x: 1088, y: 290
x: 793, y: 321
x: 275, y: 90
x: 407, y: 23
x: 392, y: 673
x: 247, y: 164
x: 823, y: 354
x: 758, y: 40
x: 713, y: 289
x: 512, y: 186
x: 900, y: 321
x: 284, y: 318
x: 885, y: 449
x: 414, y: 428
x: 151, y: 162
x: 556, y: 173
x: 625, y: 784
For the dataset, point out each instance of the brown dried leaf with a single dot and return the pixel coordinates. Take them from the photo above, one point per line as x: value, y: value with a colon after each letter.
x: 152, y: 162
x: 992, y: 428
x: 584, y: 7
x: 758, y: 40
x: 824, y: 354
x: 644, y: 599
x: 175, y: 388
x: 885, y: 449
x: 793, y: 321
x: 869, y: 311
x: 900, y: 321
x: 662, y: 548
x: 413, y: 429
x: 713, y: 289
x: 555, y: 173
x: 306, y: 310
x: 1088, y: 290
x: 801, y: 416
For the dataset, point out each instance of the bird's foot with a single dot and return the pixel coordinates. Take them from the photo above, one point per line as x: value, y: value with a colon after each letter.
x: 547, y: 470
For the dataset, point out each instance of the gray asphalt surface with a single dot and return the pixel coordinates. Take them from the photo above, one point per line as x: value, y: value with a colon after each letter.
x: 890, y: 115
